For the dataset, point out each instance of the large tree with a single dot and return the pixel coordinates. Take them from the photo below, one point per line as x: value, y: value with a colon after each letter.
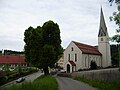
x: 51, y: 35
x: 114, y: 55
x: 43, y: 45
x: 116, y: 18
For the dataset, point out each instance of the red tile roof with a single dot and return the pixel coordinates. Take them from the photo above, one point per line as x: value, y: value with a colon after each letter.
x: 9, y: 59
x: 87, y: 49
x: 72, y: 63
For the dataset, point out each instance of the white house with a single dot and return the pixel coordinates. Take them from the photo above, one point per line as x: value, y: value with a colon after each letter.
x: 79, y: 56
x: 61, y: 61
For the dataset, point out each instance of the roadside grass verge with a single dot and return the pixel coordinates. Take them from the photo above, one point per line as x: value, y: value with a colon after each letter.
x: 41, y: 83
x: 101, y: 85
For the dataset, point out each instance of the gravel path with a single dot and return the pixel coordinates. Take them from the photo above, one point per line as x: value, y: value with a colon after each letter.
x: 70, y: 84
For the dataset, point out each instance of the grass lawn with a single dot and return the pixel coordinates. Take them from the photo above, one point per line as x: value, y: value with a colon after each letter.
x: 41, y: 83
x: 101, y: 85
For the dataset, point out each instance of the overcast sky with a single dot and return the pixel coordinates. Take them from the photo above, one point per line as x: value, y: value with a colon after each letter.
x: 78, y: 20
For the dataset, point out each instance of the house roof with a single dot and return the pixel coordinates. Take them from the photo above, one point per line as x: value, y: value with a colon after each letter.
x: 87, y: 49
x: 72, y: 63
x: 10, y: 59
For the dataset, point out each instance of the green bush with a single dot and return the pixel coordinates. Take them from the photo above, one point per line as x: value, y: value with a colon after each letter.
x: 3, y: 80
x: 93, y: 65
x: 12, y: 76
x: 7, y: 76
x: 10, y: 72
x: 26, y: 72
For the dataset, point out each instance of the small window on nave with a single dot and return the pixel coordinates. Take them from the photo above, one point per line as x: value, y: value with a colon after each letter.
x: 72, y: 49
x: 75, y: 57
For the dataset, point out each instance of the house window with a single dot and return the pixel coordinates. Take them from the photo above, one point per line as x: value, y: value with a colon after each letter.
x: 101, y: 39
x: 68, y: 57
x: 72, y: 49
x: 75, y: 57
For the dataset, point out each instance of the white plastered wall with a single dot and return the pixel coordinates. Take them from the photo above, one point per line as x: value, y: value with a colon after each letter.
x: 77, y: 51
x: 104, y: 48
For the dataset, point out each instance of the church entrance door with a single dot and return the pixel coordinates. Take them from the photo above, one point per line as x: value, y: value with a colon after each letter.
x: 68, y: 68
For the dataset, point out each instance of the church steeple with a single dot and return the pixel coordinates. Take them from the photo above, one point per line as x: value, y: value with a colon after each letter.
x: 102, y: 27
x: 103, y: 42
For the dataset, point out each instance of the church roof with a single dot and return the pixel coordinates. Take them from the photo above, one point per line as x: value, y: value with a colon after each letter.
x: 102, y: 28
x: 9, y: 59
x: 87, y: 49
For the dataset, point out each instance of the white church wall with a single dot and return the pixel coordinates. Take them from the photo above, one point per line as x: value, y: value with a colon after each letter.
x: 104, y: 48
x: 87, y: 58
x: 68, y: 51
x: 79, y: 64
x: 109, y: 56
x: 66, y: 67
x: 83, y: 60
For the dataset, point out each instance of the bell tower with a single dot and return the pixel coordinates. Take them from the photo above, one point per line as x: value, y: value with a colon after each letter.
x: 103, y: 42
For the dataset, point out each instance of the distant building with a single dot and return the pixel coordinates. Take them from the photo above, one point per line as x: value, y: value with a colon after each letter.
x: 60, y: 62
x: 12, y: 61
x: 79, y: 56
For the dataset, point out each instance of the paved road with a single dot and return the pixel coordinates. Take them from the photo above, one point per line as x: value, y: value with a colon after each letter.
x: 30, y: 77
x: 70, y: 84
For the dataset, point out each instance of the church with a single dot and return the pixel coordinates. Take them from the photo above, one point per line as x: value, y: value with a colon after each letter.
x: 79, y: 56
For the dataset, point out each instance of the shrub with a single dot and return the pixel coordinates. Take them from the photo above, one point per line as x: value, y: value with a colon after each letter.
x: 12, y: 76
x: 93, y: 65
x: 26, y: 72
x: 3, y: 80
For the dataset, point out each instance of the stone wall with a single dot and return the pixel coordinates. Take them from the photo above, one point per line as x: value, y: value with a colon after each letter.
x: 106, y: 74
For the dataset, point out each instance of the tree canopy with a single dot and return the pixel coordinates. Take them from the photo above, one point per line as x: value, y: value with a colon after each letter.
x: 114, y: 55
x: 43, y: 45
x: 116, y: 18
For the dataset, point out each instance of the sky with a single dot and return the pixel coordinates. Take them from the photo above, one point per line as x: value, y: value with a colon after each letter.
x: 78, y: 20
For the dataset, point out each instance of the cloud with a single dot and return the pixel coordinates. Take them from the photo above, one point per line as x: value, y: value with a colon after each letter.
x: 77, y: 19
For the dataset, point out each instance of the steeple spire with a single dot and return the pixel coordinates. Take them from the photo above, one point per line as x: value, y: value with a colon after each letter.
x: 103, y: 42
x: 102, y: 28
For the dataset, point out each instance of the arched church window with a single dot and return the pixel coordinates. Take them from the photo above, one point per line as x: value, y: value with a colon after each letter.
x: 68, y: 57
x: 75, y: 57
x: 72, y: 49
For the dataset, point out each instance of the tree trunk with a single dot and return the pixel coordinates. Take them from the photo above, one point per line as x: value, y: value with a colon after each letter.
x: 46, y: 71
